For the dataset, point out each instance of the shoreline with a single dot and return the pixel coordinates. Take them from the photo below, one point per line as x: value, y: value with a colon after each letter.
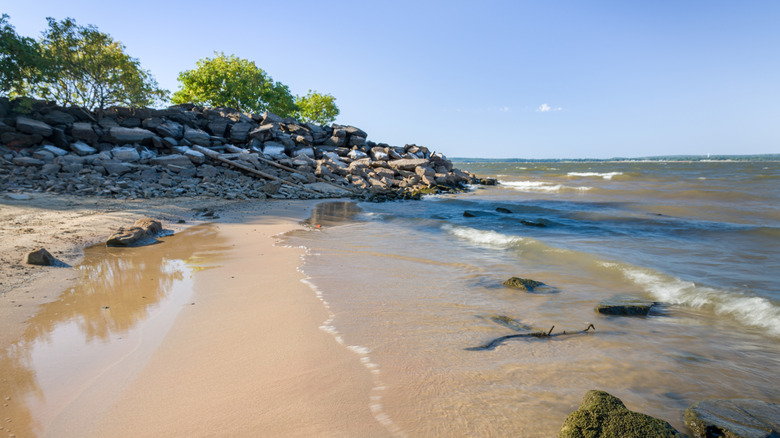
x: 249, y: 357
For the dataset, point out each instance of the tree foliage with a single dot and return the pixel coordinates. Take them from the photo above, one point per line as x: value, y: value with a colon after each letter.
x: 85, y: 67
x: 233, y: 82
x: 316, y: 108
x: 20, y: 58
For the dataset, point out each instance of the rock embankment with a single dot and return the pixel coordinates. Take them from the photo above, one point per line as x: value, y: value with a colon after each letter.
x: 187, y: 150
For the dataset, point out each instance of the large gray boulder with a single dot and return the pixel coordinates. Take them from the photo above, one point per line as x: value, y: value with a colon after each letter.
x: 408, y: 164
x: 58, y: 117
x: 171, y: 129
x: 118, y: 168
x: 54, y: 150
x: 27, y: 161
x: 602, y: 415
x: 32, y: 126
x: 83, y: 131
x: 81, y: 148
x: 121, y: 135
x: 264, y: 132
x: 239, y: 132
x: 739, y: 418
x: 197, y: 136
x: 125, y: 154
x: 19, y: 139
x: 174, y: 159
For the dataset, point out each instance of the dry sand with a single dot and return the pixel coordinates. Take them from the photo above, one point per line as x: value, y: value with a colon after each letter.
x: 246, y: 359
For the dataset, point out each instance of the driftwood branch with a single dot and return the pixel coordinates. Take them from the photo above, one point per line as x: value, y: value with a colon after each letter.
x: 232, y: 148
x: 222, y: 158
x: 542, y: 335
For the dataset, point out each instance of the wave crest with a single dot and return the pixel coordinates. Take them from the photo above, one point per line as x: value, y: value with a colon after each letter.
x: 748, y: 310
x: 541, y: 186
x: 604, y: 175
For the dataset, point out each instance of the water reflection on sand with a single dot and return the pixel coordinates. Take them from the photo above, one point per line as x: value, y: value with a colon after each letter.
x: 118, y: 311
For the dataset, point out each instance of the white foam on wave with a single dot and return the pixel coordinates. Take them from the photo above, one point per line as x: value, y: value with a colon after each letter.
x: 748, y: 310
x: 481, y: 237
x: 604, y: 175
x: 540, y: 186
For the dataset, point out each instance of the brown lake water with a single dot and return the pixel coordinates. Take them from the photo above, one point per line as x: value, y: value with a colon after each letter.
x: 412, y: 285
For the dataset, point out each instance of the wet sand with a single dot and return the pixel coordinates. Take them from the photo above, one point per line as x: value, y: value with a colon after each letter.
x: 236, y: 350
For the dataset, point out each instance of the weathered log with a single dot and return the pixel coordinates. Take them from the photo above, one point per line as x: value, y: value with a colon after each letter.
x: 219, y: 157
x: 236, y: 149
x: 540, y: 335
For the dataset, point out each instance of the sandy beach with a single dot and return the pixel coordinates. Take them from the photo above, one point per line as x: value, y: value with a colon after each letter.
x: 242, y: 356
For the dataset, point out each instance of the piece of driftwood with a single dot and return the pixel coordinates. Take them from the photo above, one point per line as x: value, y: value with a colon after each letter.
x: 542, y: 335
x: 222, y: 158
x: 236, y: 149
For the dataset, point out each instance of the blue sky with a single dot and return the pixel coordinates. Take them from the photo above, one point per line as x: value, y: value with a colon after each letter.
x: 498, y: 79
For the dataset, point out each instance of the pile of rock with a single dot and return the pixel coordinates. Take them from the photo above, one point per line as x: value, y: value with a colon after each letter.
x: 143, y: 153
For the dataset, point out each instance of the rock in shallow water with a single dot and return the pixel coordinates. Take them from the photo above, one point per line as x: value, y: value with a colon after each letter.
x: 625, y: 306
x: 602, y: 415
x: 143, y: 232
x: 740, y: 418
x: 523, y: 284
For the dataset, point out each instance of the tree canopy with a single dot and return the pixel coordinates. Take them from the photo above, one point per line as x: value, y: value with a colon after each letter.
x: 20, y: 58
x: 316, y: 108
x: 89, y: 68
x: 233, y: 82
x: 74, y: 65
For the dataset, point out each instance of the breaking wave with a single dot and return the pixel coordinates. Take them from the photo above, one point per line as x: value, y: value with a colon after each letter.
x: 605, y: 175
x: 541, y: 186
x: 748, y: 310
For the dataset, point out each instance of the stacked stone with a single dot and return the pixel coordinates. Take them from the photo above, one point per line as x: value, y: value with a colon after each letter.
x: 142, y: 153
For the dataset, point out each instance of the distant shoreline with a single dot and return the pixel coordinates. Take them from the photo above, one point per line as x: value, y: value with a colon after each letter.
x: 761, y: 158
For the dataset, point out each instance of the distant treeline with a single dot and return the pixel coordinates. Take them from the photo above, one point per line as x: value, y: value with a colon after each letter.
x: 759, y: 157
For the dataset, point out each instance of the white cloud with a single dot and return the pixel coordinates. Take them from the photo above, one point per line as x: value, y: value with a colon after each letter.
x: 544, y: 108
x: 504, y: 109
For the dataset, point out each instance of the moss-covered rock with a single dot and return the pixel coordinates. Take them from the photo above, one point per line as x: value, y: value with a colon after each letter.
x: 740, y: 418
x: 602, y: 415
x: 523, y: 283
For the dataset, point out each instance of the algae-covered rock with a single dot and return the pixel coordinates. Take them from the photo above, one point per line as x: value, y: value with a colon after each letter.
x: 523, y: 283
x: 740, y: 418
x: 602, y: 415
x: 625, y: 306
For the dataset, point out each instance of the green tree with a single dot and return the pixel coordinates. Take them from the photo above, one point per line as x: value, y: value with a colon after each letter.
x: 20, y: 58
x: 89, y: 68
x: 316, y: 108
x: 233, y: 82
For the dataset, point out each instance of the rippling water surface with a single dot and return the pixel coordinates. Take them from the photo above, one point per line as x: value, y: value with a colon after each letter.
x: 415, y: 284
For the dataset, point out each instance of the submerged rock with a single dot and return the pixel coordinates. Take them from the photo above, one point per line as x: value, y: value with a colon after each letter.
x: 143, y: 232
x: 503, y: 210
x: 523, y: 283
x: 510, y: 323
x: 625, y: 306
x: 740, y: 418
x: 602, y: 415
